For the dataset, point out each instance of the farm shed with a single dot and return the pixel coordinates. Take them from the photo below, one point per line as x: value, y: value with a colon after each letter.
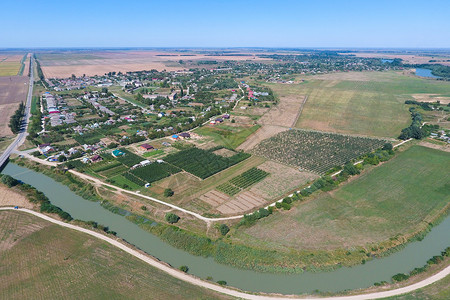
x: 185, y: 135
x: 117, y: 153
x: 147, y: 147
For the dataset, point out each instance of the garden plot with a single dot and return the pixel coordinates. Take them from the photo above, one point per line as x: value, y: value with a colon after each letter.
x: 315, y: 151
x: 214, y: 198
x: 244, y: 202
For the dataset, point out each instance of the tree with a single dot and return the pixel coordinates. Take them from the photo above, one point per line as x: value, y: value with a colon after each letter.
x: 9, y: 181
x: 185, y: 269
x: 168, y: 193
x: 62, y: 158
x: 388, y: 146
x: 172, y: 218
x: 223, y: 229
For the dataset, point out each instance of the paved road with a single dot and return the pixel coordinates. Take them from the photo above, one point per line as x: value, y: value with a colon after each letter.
x: 225, y: 290
x: 23, y: 132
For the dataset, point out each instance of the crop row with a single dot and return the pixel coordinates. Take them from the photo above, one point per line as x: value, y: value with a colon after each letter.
x: 249, y: 178
x: 228, y: 189
x: 315, y: 151
x: 154, y: 172
x: 203, y: 163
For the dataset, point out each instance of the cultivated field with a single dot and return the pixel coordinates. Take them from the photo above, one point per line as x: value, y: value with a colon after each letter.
x: 364, y: 103
x: 41, y: 260
x: 13, y: 90
x: 10, y: 64
x: 282, y: 179
x: 397, y: 198
x: 315, y: 151
x: 407, y: 58
x: 265, y: 132
x: 9, y: 197
x: 64, y: 64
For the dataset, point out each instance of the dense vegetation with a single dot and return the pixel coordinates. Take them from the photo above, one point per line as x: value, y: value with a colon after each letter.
x: 203, y: 163
x: 154, y: 172
x: 15, y: 122
x: 315, y: 151
x: 242, y: 181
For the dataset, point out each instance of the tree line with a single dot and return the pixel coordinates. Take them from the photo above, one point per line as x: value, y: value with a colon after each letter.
x: 15, y: 121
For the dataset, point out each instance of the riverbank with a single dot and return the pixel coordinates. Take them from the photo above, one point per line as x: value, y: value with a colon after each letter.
x: 196, y: 281
x: 257, y: 254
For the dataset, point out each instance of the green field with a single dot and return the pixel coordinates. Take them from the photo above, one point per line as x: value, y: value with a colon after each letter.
x: 227, y: 136
x: 41, y: 260
x: 372, y: 106
x: 391, y: 200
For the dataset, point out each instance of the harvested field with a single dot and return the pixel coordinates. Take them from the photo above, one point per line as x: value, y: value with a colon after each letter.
x: 13, y: 90
x: 285, y: 113
x: 10, y: 64
x: 9, y: 197
x: 224, y: 152
x: 431, y: 98
x: 214, y: 198
x: 265, y: 132
x: 282, y: 179
x: 244, y: 202
x: 371, y: 106
x: 315, y: 151
x: 48, y: 261
x: 407, y: 58
x: 64, y: 64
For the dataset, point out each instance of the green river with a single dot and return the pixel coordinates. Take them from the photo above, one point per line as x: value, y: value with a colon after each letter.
x: 414, y: 254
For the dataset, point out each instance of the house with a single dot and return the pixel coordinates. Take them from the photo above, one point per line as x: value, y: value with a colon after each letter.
x: 145, y: 162
x: 45, y: 148
x: 219, y: 120
x: 117, y: 153
x: 212, y: 122
x: 147, y: 147
x: 175, y: 137
x: 226, y: 116
x: 185, y: 135
x: 96, y: 158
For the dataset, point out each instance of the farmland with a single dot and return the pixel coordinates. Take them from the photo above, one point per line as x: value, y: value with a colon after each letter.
x: 365, y: 103
x: 12, y: 91
x: 154, y: 172
x: 242, y: 181
x: 315, y: 151
x: 35, y: 254
x: 10, y: 64
x: 225, y: 137
x: 203, y: 163
x: 395, y: 199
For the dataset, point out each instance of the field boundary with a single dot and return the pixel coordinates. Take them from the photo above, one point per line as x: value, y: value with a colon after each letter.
x: 225, y: 290
x: 300, y: 111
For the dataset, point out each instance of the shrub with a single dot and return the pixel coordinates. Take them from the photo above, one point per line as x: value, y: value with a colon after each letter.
x: 223, y: 229
x: 222, y: 282
x: 168, y: 193
x: 184, y: 269
x: 172, y: 218
x: 9, y: 181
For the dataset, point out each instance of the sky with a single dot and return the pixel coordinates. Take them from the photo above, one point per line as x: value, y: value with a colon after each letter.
x: 231, y: 23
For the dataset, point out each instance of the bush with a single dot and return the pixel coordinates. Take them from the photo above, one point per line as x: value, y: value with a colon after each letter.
x: 224, y: 229
x: 400, y: 277
x: 185, y: 269
x: 172, y: 218
x: 9, y: 181
x: 168, y: 193
x: 222, y: 282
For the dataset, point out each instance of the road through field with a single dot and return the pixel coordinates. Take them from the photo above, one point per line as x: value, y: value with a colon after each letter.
x: 225, y: 290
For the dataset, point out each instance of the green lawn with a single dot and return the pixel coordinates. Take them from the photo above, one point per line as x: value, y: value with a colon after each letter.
x: 390, y: 200
x: 41, y: 260
x: 374, y: 107
x: 225, y: 136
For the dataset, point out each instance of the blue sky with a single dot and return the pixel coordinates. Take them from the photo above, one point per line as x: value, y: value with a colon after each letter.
x: 319, y: 23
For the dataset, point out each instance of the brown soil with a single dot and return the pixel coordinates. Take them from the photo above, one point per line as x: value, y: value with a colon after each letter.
x: 9, y: 197
x: 265, y: 132
x: 244, y: 202
x: 431, y: 98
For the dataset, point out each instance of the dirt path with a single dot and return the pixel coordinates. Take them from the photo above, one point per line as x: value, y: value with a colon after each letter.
x: 225, y: 290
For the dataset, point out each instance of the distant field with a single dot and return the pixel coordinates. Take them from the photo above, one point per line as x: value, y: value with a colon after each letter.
x: 10, y: 64
x: 227, y: 138
x: 366, y: 103
x: 41, y: 260
x: 396, y: 198
x: 64, y: 64
x: 13, y: 90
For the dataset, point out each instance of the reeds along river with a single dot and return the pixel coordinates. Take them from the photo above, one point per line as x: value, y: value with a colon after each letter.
x: 414, y: 254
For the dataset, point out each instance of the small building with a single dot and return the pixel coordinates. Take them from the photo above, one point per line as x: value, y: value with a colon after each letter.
x: 175, y: 137
x: 146, y: 147
x: 96, y: 158
x: 117, y: 153
x: 145, y: 162
x: 185, y: 135
x: 226, y: 116
x: 219, y: 120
